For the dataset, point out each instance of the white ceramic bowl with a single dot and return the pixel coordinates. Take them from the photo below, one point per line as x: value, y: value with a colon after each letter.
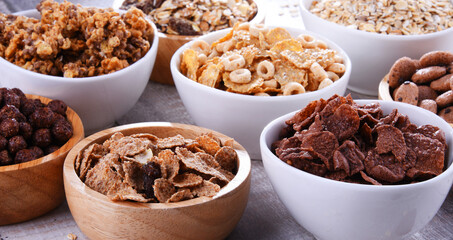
x: 99, y: 100
x: 244, y: 116
x: 337, y: 210
x: 373, y: 54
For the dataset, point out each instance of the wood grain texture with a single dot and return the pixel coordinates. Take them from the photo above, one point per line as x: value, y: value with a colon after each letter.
x: 168, y: 44
x: 30, y: 189
x: 200, y: 218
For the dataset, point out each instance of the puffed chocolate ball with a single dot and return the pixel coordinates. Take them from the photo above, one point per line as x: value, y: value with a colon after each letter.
x: 10, y: 111
x: 24, y: 155
x: 58, y: 106
x: 37, y: 151
x: 9, y: 127
x: 25, y: 130
x: 16, y: 143
x: 10, y: 98
x: 42, y: 137
x: 3, y: 143
x: 62, y: 131
x: 5, y: 158
x: 42, y: 118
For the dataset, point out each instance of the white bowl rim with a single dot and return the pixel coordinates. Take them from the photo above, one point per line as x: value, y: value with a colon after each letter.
x: 347, y: 185
x: 380, y: 36
x: 104, y: 77
x: 202, y: 87
x: 243, y: 173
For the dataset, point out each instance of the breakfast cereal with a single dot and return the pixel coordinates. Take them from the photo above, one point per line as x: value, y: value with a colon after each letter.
x: 363, y: 146
x: 145, y: 168
x: 254, y: 60
x: 184, y: 17
x: 73, y: 41
x: 417, y: 81
x: 393, y: 17
x: 30, y: 129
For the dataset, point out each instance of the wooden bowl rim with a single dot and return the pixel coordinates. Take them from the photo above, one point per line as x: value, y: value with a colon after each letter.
x: 78, y: 134
x: 384, y: 91
x: 70, y: 175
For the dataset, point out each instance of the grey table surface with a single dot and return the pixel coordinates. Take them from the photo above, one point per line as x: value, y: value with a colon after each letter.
x: 265, y: 216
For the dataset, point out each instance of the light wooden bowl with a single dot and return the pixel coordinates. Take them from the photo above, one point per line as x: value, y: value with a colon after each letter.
x: 31, y: 189
x: 199, y: 218
x: 384, y: 91
x: 168, y: 44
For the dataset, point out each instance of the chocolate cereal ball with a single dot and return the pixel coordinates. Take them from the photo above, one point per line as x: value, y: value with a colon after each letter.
x: 3, y: 143
x: 58, y: 106
x: 37, y: 151
x: 5, y: 158
x: 25, y: 130
x: 42, y: 137
x: 29, y: 106
x: 16, y: 143
x: 19, y: 93
x: 62, y: 131
x: 42, y: 118
x: 24, y: 155
x: 10, y: 98
x: 9, y: 127
x: 11, y: 111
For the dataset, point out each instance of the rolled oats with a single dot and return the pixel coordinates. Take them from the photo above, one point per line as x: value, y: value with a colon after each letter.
x: 393, y: 17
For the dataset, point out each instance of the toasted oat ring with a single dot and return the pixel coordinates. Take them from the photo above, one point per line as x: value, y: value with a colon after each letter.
x: 233, y: 62
x: 307, y: 41
x: 292, y: 88
x: 201, y: 47
x: 241, y: 76
x: 265, y: 69
x: 255, y: 29
x: 324, y: 83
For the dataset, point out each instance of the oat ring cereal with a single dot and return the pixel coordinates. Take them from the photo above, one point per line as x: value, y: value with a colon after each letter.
x: 201, y: 46
x: 336, y: 68
x: 255, y: 29
x: 277, y: 63
x: 307, y: 41
x: 324, y: 83
x: 318, y: 71
x: 233, y: 62
x: 265, y: 69
x: 241, y: 76
x: 293, y: 88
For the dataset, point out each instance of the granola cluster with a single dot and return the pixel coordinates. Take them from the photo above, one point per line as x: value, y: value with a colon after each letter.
x: 393, y: 17
x: 188, y: 17
x: 74, y: 41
